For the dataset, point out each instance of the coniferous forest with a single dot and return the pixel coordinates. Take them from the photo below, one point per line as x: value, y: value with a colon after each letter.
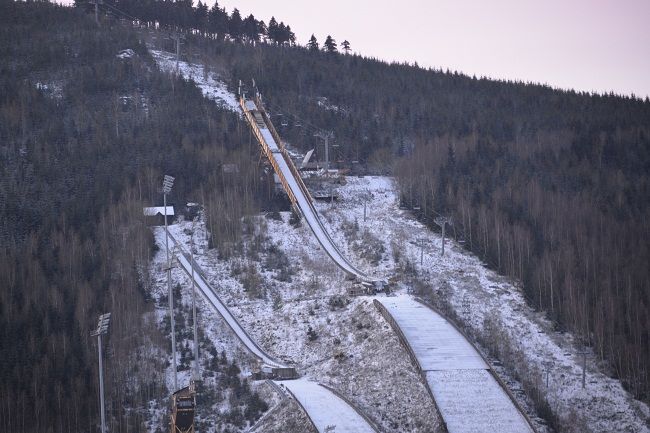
x: 550, y: 187
x: 85, y: 138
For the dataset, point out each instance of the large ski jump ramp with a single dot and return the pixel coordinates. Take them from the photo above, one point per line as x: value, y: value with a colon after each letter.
x: 293, y: 184
x: 211, y: 297
x: 469, y: 397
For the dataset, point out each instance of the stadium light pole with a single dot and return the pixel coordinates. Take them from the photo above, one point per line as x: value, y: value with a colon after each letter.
x: 168, y: 183
x: 196, y: 337
x: 102, y: 328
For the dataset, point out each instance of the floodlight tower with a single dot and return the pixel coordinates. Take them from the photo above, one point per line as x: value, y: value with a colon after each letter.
x: 168, y: 182
x: 102, y: 328
x: 195, y: 373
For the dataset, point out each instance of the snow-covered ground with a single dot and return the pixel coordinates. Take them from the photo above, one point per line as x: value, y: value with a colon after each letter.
x: 354, y: 349
x: 480, y: 296
x: 468, y: 396
x: 327, y: 411
x: 208, y: 81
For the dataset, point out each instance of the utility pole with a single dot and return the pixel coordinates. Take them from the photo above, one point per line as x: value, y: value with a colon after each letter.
x: 97, y: 3
x: 102, y: 328
x: 421, y: 241
x: 196, y: 338
x: 168, y: 182
x: 584, y: 354
x: 442, y: 222
x: 177, y: 37
x: 365, y: 198
x: 326, y: 136
x: 547, y: 367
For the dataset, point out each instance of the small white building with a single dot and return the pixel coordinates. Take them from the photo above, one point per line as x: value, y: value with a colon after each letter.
x: 155, y: 215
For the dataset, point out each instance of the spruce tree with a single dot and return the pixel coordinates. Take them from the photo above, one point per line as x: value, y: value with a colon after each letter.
x: 346, y: 46
x: 330, y: 45
x: 312, y: 45
x: 273, y: 30
x: 235, y: 25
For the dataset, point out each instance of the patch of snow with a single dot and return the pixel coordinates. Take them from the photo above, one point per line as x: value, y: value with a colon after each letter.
x: 209, y: 82
x: 53, y: 90
x: 126, y: 54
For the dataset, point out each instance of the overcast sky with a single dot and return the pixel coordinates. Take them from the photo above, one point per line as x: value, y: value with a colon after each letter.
x: 599, y: 45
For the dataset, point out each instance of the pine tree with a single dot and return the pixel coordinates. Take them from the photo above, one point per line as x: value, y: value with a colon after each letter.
x: 218, y: 21
x: 251, y: 29
x: 312, y: 45
x: 273, y: 30
x: 346, y: 46
x: 262, y: 29
x: 235, y: 25
x: 201, y: 17
x: 330, y: 45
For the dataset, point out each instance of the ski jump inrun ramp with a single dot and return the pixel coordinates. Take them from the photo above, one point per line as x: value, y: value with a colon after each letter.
x: 294, y: 186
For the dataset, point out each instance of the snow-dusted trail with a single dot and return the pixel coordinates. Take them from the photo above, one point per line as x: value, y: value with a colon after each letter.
x: 327, y: 411
x: 468, y: 396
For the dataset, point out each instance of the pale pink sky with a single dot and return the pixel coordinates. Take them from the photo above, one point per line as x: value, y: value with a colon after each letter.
x: 591, y: 45
x: 598, y: 45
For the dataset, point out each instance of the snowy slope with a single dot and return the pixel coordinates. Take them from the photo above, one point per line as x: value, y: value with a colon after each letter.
x: 209, y: 83
x: 471, y: 401
x: 480, y: 296
x: 477, y: 295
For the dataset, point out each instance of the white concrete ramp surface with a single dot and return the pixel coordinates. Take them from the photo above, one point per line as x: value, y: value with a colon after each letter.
x: 469, y: 397
x: 327, y: 411
x: 210, y: 295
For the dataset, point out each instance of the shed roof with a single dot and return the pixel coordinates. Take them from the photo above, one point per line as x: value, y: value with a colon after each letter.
x: 158, y: 210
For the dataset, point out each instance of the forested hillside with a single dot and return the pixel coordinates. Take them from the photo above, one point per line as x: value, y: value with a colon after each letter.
x: 550, y: 187
x: 547, y: 186
x: 85, y: 137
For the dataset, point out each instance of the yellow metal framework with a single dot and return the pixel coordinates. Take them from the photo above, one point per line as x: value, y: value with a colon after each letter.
x: 254, y: 122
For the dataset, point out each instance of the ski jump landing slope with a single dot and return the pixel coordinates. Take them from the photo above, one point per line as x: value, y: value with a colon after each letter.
x: 327, y: 411
x: 467, y: 394
x: 274, y: 150
x: 211, y: 297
